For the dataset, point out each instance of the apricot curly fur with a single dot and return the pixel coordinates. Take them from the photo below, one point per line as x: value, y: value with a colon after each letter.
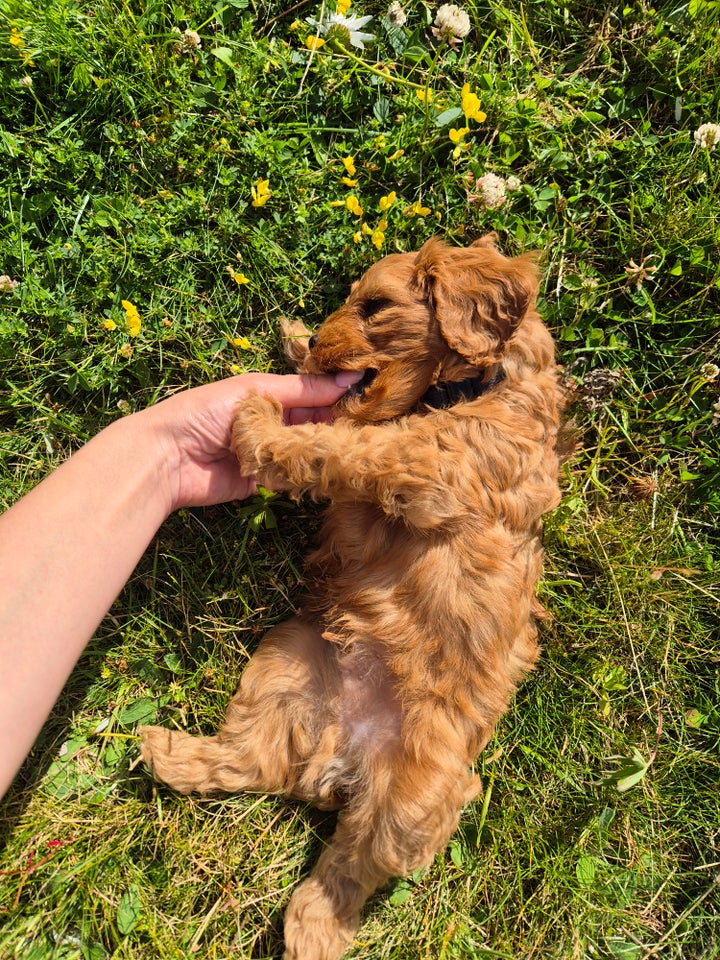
x: 420, y: 614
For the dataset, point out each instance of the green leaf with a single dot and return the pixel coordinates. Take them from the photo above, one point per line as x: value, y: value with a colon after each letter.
x: 140, y: 711
x: 224, y: 55
x: 585, y: 870
x: 447, y: 116
x: 173, y: 662
x: 630, y: 773
x: 128, y: 911
x: 401, y: 893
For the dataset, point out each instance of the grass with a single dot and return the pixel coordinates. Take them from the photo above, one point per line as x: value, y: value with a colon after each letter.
x: 127, y: 169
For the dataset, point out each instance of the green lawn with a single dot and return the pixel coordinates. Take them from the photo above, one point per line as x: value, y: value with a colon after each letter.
x: 189, y: 158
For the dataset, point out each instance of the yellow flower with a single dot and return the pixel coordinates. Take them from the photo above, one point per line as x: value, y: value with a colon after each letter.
x: 456, y: 134
x: 132, y: 317
x: 240, y: 343
x: 109, y: 325
x: 366, y: 229
x: 357, y: 236
x: 260, y: 192
x: 337, y: 203
x: 378, y: 238
x: 353, y: 206
x: 16, y: 38
x: 426, y: 96
x: 471, y: 105
x: 386, y: 202
x: 349, y: 182
x: 343, y: 6
x: 239, y: 278
x: 314, y: 43
x: 417, y: 210
x: 349, y: 164
x: 396, y: 155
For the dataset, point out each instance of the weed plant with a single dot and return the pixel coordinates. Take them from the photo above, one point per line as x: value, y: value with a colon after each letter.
x: 174, y: 178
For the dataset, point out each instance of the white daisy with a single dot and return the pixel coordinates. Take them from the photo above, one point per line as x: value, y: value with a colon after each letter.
x: 347, y: 31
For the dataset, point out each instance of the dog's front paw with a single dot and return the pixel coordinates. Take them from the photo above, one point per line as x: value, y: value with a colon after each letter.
x: 295, y: 337
x: 256, y: 419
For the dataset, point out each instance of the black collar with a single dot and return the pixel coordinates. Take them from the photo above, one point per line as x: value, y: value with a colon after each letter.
x: 443, y: 395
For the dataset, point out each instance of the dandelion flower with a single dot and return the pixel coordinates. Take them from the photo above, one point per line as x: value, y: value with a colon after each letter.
x: 6, y: 284
x: 471, y: 105
x: 345, y: 31
x: 707, y: 136
x: 386, y: 202
x: 353, y: 205
x: 451, y: 24
x: 395, y: 15
x: 260, y: 192
x: 132, y: 317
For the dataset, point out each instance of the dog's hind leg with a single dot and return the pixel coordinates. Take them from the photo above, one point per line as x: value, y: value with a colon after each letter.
x: 278, y: 736
x: 405, y: 813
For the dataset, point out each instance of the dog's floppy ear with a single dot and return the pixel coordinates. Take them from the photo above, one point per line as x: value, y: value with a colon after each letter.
x: 479, y: 295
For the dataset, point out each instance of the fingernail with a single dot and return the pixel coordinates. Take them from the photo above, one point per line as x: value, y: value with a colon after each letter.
x: 346, y: 378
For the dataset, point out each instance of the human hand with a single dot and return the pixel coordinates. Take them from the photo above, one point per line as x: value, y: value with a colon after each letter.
x: 193, y: 429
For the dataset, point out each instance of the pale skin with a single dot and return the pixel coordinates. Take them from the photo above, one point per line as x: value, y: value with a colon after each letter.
x: 68, y: 547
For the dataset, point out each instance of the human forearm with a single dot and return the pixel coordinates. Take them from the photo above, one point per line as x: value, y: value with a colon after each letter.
x: 66, y: 550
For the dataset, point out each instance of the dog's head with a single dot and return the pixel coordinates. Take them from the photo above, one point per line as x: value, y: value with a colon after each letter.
x: 443, y: 313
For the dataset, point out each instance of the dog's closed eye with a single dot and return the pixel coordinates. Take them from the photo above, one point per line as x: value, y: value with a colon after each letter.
x: 369, y: 308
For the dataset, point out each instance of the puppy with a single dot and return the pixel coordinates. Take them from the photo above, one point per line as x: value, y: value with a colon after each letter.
x: 420, y: 618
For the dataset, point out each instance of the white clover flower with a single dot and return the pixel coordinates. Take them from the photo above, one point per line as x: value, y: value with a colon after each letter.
x: 189, y: 42
x: 638, y: 273
x: 710, y: 371
x: 345, y: 30
x: 6, y: 284
x: 512, y: 184
x: 707, y: 136
x: 491, y: 191
x: 451, y: 24
x: 26, y: 82
x: 395, y: 15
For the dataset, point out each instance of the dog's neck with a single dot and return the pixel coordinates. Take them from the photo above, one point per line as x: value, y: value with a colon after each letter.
x: 446, y: 393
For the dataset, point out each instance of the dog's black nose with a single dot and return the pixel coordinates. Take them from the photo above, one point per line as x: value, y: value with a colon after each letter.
x: 312, y: 341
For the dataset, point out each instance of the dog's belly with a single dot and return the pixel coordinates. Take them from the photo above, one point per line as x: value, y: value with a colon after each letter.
x: 371, y: 715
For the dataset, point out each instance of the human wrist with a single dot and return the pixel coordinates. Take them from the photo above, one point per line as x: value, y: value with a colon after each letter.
x: 155, y: 457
